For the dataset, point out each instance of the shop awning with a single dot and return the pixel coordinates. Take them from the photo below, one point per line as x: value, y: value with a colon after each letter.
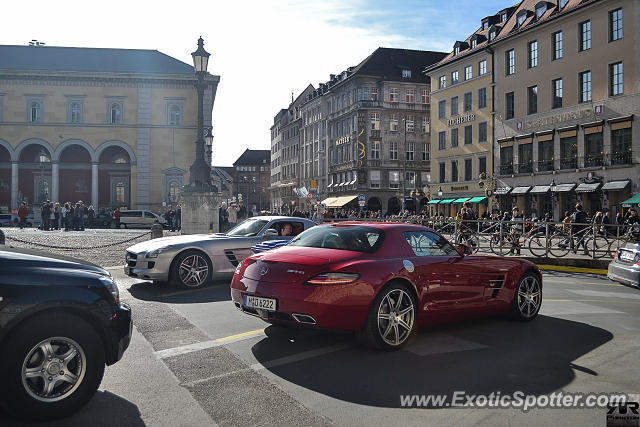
x: 434, y: 202
x: 587, y: 188
x: 354, y: 181
x: 633, y: 201
x: 563, y: 188
x: 446, y: 201
x: 480, y: 199
x: 501, y: 191
x: 338, y: 202
x: 330, y: 185
x: 521, y: 190
x: 461, y: 200
x: 540, y: 189
x: 615, y: 185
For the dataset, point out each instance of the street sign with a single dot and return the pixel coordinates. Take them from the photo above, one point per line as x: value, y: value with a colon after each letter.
x: 310, y: 196
x: 362, y: 202
x: 322, y: 206
x: 317, y: 196
x: 314, y: 184
x: 361, y: 197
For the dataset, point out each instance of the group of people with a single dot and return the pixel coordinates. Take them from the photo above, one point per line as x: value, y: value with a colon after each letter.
x: 174, y: 217
x: 56, y: 216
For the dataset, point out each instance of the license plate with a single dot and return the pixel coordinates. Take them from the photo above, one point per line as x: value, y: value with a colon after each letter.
x: 267, y: 304
x: 627, y: 255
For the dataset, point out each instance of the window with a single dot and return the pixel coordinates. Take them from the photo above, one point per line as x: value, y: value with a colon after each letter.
x: 541, y: 10
x: 468, y: 72
x: 482, y: 165
x: 533, y: 54
x: 394, y: 179
x: 35, y: 112
x: 406, y: 74
x: 563, y: 3
x: 615, y: 25
x: 509, y: 112
x: 556, y: 86
x: 482, y: 67
x: 503, y: 17
x: 454, y: 137
x: 410, y: 126
x: 621, y: 146
x: 408, y: 95
x: 468, y: 134
x: 425, y: 124
x: 442, y: 140
x: 492, y: 34
x: 393, y: 94
x: 454, y: 105
x: 456, y: 50
x: 425, y: 96
x: 115, y: 113
x: 532, y: 99
x: 593, y: 147
x: 482, y: 97
x: 375, y: 150
x: 442, y: 172
x: 375, y: 121
x: 365, y: 95
x: 425, y: 152
x: 468, y: 99
x: 525, y: 158
x: 374, y: 93
x: 474, y: 43
x: 410, y: 179
x: 616, y: 79
x: 360, y: 94
x: 584, y: 32
x: 545, y: 155
x: 74, y: 110
x: 556, y: 42
x: 454, y: 77
x: 568, y: 153
x: 393, y: 150
x: 374, y: 179
x: 485, y: 24
x: 454, y: 171
x: 506, y: 159
x: 411, y: 148
x: 468, y: 169
x: 442, y: 109
x: 175, y: 115
x: 521, y: 18
x: 482, y: 132
x: 585, y: 86
x: 510, y: 62
x: 393, y: 123
x: 442, y: 82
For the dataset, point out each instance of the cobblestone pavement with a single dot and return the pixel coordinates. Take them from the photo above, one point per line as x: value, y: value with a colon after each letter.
x: 88, y: 244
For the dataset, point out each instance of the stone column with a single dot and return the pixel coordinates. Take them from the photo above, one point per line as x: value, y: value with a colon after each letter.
x: 55, y: 180
x: 200, y: 212
x: 14, y: 185
x: 94, y: 185
x: 581, y: 147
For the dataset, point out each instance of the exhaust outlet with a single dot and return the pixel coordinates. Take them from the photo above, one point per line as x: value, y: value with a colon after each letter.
x: 304, y: 318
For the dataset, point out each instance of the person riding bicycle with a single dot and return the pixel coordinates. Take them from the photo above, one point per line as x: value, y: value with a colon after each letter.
x: 517, y: 229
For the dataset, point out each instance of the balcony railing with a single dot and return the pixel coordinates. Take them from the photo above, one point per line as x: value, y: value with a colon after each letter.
x: 545, y: 165
x: 569, y: 162
x: 593, y: 160
x: 615, y: 159
x: 506, y: 169
x: 526, y: 167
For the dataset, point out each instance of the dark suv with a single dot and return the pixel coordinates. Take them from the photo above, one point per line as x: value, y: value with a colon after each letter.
x: 61, y: 321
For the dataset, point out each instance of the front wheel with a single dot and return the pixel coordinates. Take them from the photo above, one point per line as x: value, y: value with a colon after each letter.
x: 538, y: 245
x: 191, y: 270
x: 527, y: 298
x: 51, y: 366
x: 391, y: 320
x: 597, y: 246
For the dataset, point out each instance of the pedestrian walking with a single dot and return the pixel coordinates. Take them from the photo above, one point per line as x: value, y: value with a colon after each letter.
x: 177, y: 218
x: 580, y: 218
x: 91, y: 215
x: 45, y: 212
x: 66, y: 215
x: 23, y: 212
x: 116, y: 217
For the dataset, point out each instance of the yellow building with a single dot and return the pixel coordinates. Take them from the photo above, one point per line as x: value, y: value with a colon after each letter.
x: 111, y: 127
x: 462, y: 121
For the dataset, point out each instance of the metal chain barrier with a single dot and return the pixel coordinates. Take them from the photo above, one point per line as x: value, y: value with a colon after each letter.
x: 66, y: 248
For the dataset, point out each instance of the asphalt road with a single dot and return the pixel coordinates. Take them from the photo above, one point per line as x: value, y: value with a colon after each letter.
x: 195, y: 360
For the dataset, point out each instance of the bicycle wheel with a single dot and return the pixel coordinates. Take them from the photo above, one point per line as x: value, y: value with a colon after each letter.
x: 538, y: 245
x: 597, y: 246
x: 468, y: 239
x: 614, y: 245
x: 559, y: 245
x: 501, y: 245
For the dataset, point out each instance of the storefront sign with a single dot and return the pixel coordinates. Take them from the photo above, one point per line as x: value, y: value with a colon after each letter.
x: 343, y: 140
x: 560, y: 118
x: 459, y: 188
x: 459, y: 120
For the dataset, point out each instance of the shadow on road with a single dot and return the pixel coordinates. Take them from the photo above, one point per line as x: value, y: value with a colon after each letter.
x: 104, y: 409
x: 164, y: 292
x: 478, y: 357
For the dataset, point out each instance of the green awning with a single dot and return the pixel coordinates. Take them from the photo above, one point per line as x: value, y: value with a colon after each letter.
x: 480, y: 199
x: 446, y: 202
x: 461, y: 200
x: 633, y: 201
x: 434, y: 201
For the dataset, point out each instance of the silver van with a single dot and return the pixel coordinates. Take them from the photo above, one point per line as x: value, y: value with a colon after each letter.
x: 140, y: 218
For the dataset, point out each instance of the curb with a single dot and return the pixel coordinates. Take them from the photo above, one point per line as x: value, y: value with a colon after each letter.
x: 573, y: 269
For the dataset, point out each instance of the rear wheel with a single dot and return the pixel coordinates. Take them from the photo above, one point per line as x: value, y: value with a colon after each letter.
x: 538, y: 245
x: 527, y: 298
x: 191, y: 270
x: 501, y: 245
x: 392, y: 318
x: 597, y: 246
x: 559, y: 245
x: 53, y: 366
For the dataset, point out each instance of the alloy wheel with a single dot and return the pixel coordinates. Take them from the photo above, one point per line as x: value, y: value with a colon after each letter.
x: 193, y: 270
x: 529, y: 296
x: 396, y: 316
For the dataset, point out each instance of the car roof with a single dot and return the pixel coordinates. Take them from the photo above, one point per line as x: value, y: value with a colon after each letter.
x: 272, y: 217
x: 383, y: 225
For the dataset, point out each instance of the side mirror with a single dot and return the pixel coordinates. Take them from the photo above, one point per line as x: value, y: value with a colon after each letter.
x: 463, y: 248
x: 270, y: 232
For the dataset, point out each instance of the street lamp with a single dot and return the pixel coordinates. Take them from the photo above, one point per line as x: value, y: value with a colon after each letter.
x: 200, y: 171
x: 208, y: 140
x: 440, y: 192
x: 553, y: 186
x: 43, y: 159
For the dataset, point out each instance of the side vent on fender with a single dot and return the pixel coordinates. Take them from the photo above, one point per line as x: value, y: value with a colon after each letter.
x: 231, y: 257
x: 496, y: 285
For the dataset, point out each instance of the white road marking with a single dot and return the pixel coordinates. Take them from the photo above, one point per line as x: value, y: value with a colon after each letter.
x: 590, y: 293
x: 438, y: 343
x: 203, y: 345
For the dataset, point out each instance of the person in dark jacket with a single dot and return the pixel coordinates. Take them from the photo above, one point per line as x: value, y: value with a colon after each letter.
x: 23, y: 212
x: 45, y: 213
x: 580, y: 218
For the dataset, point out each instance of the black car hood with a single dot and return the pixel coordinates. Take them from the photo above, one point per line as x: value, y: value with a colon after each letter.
x: 12, y: 259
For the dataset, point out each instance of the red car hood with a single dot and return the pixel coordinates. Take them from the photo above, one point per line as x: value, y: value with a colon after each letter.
x: 293, y: 264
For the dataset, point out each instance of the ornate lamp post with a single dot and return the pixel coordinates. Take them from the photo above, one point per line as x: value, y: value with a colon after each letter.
x: 43, y: 160
x: 200, y: 171
x: 552, y: 187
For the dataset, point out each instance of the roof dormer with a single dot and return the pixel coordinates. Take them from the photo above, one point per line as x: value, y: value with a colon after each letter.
x: 459, y: 46
x: 493, y: 32
x: 521, y: 17
x: 476, y: 39
x: 541, y: 8
x: 562, y: 4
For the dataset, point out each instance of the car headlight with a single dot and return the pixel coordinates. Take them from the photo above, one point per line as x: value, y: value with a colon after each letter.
x: 112, y: 287
x: 333, y: 279
x: 154, y: 253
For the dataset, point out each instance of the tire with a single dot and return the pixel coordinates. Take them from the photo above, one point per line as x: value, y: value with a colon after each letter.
x: 23, y: 363
x: 399, y: 328
x: 601, y: 246
x: 538, y: 245
x: 507, y: 244
x: 188, y: 270
x: 559, y: 245
x: 527, y: 298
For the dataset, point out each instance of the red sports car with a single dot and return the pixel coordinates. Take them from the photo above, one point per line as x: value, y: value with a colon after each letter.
x: 381, y: 280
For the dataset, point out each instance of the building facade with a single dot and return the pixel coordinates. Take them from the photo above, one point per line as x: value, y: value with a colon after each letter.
x: 567, y: 99
x: 111, y: 127
x: 366, y: 131
x: 462, y: 128
x: 251, y: 179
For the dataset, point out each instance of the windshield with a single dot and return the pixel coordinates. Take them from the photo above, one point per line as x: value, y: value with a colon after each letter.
x: 349, y: 238
x: 248, y: 228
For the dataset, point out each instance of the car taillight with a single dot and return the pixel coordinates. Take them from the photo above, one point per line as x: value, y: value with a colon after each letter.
x: 333, y: 279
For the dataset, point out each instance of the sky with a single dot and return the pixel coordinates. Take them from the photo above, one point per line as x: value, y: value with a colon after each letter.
x: 262, y: 50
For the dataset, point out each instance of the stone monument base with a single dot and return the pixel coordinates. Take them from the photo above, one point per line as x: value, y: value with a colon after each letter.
x: 200, y: 212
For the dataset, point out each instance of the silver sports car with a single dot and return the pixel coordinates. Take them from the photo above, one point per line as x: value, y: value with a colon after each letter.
x: 191, y: 261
